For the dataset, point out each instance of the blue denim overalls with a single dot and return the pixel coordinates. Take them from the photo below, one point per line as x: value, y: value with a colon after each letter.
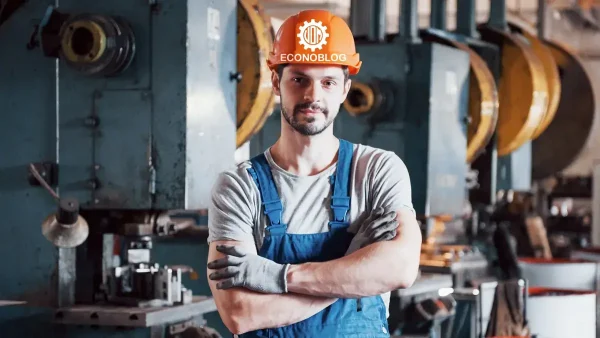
x: 345, y: 317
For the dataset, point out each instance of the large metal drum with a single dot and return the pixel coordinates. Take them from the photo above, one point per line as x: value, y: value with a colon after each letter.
x: 573, y: 128
x: 255, y: 97
x: 523, y: 90
x: 550, y: 70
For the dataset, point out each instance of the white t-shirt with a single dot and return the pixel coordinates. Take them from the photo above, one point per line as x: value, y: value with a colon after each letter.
x: 379, y: 179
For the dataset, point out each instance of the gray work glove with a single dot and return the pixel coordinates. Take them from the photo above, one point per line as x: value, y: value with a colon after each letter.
x: 244, y: 269
x: 379, y: 226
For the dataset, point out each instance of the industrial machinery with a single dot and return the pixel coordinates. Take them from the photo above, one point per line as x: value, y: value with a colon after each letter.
x: 138, y: 107
x: 562, y: 148
x: 504, y: 119
x: 119, y: 115
x: 421, y: 112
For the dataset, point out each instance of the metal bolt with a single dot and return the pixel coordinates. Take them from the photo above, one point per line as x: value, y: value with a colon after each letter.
x: 96, y: 167
x: 91, y: 121
x: 237, y: 76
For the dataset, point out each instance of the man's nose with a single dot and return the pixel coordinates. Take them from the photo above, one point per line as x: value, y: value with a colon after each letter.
x: 312, y: 93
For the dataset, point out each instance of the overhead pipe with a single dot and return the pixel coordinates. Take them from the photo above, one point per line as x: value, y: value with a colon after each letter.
x: 466, y: 24
x: 541, y: 19
x: 437, y: 17
x: 409, y: 20
x: 466, y: 11
x: 367, y: 18
x: 378, y: 21
x: 497, y: 14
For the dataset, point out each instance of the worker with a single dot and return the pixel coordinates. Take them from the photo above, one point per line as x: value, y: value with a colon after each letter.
x: 309, y: 238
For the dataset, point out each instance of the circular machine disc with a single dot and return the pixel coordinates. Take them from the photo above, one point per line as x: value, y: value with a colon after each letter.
x: 483, y: 97
x: 523, y: 91
x: 255, y: 97
x: 550, y: 69
x: 573, y: 125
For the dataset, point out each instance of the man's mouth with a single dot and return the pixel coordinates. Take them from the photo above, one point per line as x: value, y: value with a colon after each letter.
x: 309, y: 111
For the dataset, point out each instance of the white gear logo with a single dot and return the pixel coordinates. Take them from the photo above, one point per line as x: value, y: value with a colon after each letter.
x: 313, y: 35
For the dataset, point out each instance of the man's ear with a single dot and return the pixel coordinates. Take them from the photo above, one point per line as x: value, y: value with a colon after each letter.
x: 275, y: 82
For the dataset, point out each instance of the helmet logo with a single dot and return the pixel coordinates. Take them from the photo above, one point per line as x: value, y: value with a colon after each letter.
x: 313, y: 35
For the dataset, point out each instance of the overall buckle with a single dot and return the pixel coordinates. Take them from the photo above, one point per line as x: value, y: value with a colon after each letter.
x: 340, y: 207
x: 273, y: 211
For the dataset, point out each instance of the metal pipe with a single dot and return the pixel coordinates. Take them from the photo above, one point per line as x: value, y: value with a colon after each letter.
x: 378, y: 22
x: 497, y: 14
x: 541, y: 19
x: 367, y: 18
x: 437, y: 18
x: 465, y: 18
x: 357, y: 15
x: 409, y: 20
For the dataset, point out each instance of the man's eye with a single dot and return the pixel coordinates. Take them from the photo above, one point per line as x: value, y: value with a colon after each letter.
x: 329, y: 83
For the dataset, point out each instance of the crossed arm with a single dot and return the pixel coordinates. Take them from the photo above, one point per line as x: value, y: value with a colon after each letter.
x: 372, y: 270
x: 244, y: 310
x: 375, y: 269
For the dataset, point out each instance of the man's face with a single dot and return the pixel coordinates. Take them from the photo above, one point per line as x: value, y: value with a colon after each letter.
x: 311, y: 96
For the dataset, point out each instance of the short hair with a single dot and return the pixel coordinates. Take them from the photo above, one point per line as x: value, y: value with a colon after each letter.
x: 282, y: 66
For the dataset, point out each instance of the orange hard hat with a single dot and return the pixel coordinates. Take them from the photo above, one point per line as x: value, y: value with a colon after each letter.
x: 315, y: 37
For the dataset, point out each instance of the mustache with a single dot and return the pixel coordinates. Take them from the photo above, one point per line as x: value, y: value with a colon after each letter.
x: 310, y: 105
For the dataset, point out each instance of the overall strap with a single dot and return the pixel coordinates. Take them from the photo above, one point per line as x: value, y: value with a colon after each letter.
x: 340, y: 198
x: 273, y: 207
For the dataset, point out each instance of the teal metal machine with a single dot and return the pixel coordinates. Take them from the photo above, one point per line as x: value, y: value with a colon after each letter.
x: 122, y: 113
x: 496, y: 173
x: 419, y: 111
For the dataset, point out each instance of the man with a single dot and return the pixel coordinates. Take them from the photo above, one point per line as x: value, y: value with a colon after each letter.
x: 309, y: 238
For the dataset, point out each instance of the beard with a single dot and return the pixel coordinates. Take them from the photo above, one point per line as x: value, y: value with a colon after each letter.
x: 305, y: 125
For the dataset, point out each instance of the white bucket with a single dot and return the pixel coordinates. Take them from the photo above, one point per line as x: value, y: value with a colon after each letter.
x: 559, y: 313
x: 568, y: 274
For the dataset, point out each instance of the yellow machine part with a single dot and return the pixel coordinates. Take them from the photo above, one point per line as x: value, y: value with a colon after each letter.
x: 483, y: 105
x: 361, y: 99
x: 255, y: 97
x: 483, y: 98
x: 523, y: 90
x: 543, y: 52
